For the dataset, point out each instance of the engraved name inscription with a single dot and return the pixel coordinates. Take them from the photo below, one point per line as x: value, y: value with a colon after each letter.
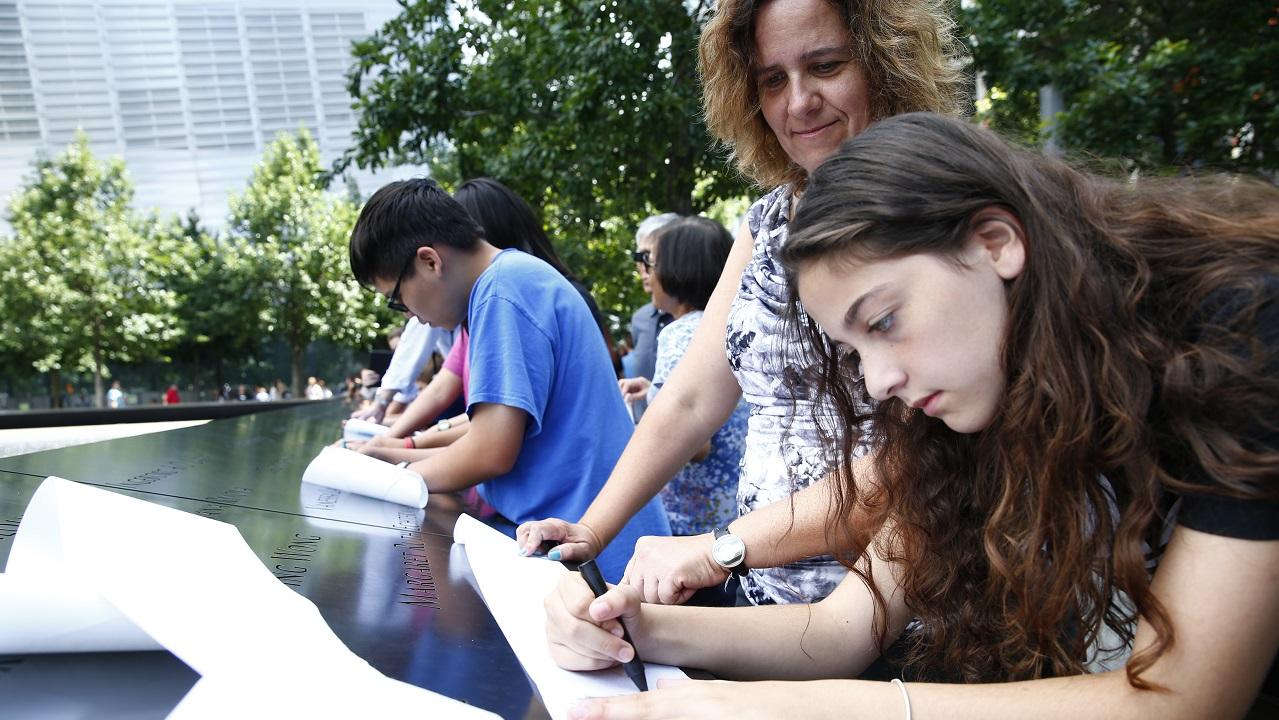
x: 231, y: 496
x: 9, y: 528
x: 220, y: 502
x: 167, y: 470
x: 420, y: 589
x: 407, y: 519
x: 289, y: 569
x: 326, y: 500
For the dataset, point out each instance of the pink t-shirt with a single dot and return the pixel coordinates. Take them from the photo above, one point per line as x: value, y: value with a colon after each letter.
x: 459, y: 362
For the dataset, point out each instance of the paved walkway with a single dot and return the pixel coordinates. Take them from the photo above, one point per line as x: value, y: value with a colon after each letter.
x: 28, y: 440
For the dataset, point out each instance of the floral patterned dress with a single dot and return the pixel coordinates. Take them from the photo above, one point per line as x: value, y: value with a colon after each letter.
x: 783, y: 450
x: 703, y: 496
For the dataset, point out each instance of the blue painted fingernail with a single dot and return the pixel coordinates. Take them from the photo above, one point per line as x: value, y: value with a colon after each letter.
x: 554, y: 555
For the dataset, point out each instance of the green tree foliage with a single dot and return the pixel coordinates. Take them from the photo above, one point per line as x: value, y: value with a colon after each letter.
x: 298, y: 234
x: 1189, y: 83
x: 222, y: 309
x: 590, y: 110
x: 81, y: 290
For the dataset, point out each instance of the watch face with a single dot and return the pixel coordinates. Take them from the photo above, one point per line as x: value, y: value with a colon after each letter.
x: 728, y: 550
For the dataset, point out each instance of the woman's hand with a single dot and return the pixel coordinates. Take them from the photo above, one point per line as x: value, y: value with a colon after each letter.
x: 577, y: 542
x: 696, y: 699
x: 668, y: 570
x: 633, y: 389
x: 583, y: 631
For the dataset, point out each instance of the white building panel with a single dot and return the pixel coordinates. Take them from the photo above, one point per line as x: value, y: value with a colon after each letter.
x: 187, y: 92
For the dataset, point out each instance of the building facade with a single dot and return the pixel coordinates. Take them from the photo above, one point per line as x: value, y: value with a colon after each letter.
x: 188, y: 93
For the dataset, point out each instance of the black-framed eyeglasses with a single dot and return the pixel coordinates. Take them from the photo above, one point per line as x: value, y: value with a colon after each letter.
x: 393, y: 300
x: 643, y: 257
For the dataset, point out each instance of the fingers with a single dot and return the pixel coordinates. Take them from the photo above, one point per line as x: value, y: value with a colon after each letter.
x: 671, y: 591
x: 621, y: 601
x: 647, y: 589
x: 654, y: 705
x: 633, y: 388
x: 576, y: 641
x: 626, y: 574
x: 575, y: 551
x: 529, y: 536
x: 575, y: 539
x: 668, y: 571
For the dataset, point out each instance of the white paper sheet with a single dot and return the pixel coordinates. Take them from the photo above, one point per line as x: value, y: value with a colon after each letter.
x: 194, y: 586
x: 514, y: 588
x: 357, y: 429
x: 328, y: 503
x: 349, y: 470
x: 58, y: 616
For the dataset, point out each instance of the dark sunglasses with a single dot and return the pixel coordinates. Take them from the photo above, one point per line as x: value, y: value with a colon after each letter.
x: 393, y: 300
x: 643, y: 257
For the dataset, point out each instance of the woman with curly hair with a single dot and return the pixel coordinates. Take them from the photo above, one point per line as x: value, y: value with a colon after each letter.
x: 1076, y: 502
x: 785, y: 82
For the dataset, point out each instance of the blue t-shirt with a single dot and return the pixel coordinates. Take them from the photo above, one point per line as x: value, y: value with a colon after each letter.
x: 535, y: 347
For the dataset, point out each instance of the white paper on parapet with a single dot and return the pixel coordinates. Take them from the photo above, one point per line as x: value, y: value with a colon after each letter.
x: 326, y: 503
x: 357, y: 429
x: 352, y: 472
x: 195, y: 587
x: 59, y: 617
x: 514, y: 588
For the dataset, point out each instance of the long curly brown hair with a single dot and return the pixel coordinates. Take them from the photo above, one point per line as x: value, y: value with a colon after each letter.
x: 907, y: 48
x: 1131, y: 358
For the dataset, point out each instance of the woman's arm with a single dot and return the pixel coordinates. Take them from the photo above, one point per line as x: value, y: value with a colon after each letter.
x: 669, y: 570
x: 1221, y: 597
x: 829, y: 639
x: 694, y: 403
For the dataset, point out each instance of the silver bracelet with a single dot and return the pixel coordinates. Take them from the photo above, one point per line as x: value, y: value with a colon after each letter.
x: 905, y: 696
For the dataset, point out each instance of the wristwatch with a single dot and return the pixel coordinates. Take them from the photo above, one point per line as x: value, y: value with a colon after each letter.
x: 443, y: 425
x: 729, y: 552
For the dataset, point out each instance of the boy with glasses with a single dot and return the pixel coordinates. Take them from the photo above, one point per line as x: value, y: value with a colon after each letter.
x: 547, y: 423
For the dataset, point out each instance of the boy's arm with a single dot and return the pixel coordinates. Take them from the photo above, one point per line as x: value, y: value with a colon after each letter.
x: 489, y: 448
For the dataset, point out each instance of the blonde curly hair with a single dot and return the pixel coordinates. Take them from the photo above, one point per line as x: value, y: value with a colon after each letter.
x: 906, y: 48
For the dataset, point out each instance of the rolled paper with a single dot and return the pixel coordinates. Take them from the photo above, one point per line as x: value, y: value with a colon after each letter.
x: 356, y: 429
x: 350, y: 471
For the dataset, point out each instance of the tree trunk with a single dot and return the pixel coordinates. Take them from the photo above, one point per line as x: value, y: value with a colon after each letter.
x: 97, y: 364
x: 55, y: 391
x: 195, y: 376
x: 295, y: 364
